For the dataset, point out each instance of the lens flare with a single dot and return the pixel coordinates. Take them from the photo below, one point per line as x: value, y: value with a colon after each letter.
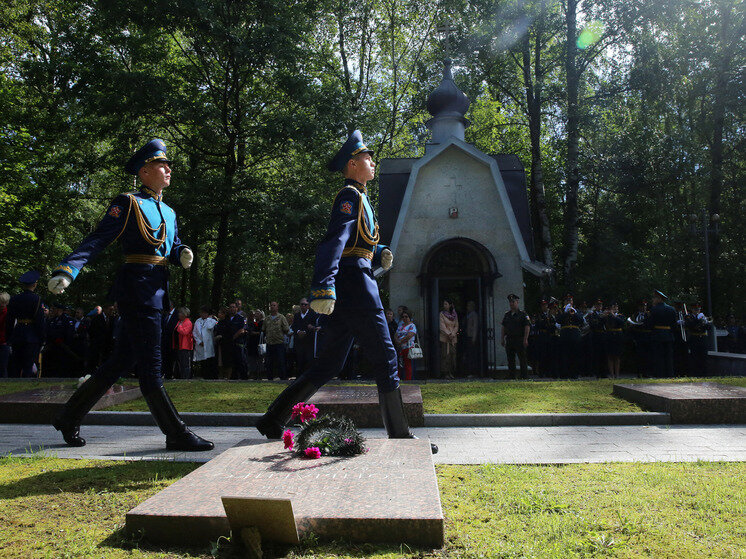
x: 591, y: 34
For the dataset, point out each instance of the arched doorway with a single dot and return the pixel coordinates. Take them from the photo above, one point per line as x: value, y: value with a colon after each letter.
x: 462, y: 270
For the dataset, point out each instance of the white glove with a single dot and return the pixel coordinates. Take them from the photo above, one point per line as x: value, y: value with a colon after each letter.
x: 323, y: 306
x: 58, y: 284
x: 186, y: 257
x: 387, y: 259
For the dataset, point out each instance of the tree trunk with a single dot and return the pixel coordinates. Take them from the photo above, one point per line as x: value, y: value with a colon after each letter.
x: 542, y: 235
x: 573, y: 177
x: 716, y: 151
x: 220, y: 259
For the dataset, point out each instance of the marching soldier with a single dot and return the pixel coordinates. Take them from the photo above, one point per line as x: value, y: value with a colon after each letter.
x: 345, y: 290
x: 146, y: 228
x: 696, y: 324
x: 661, y: 321
x: 25, y: 326
x: 514, y: 336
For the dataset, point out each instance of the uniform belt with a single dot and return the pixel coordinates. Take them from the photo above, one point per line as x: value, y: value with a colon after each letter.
x: 662, y: 327
x: 146, y: 259
x: 357, y: 251
x: 570, y: 326
x: 614, y: 330
x: 25, y: 321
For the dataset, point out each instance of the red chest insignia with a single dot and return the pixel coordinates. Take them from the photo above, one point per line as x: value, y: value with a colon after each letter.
x: 115, y: 211
x: 346, y: 208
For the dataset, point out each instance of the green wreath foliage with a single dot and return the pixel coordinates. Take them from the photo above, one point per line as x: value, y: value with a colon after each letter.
x: 334, y: 435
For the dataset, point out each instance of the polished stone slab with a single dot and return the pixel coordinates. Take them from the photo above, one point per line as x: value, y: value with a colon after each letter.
x: 41, y: 405
x: 389, y: 494
x: 689, y: 402
x: 360, y: 403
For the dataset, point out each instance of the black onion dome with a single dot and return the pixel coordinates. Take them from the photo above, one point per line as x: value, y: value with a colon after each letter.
x: 447, y: 99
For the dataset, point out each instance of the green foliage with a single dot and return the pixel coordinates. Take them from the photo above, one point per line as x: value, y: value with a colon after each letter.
x: 252, y: 99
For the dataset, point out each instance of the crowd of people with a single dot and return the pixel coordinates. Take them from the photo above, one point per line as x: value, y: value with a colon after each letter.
x: 557, y: 341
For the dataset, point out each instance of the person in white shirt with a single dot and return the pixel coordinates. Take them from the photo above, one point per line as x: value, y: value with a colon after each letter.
x: 204, y: 344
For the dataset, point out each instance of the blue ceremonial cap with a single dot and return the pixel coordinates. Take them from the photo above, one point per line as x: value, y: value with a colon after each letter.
x: 30, y: 277
x: 349, y: 149
x: 154, y: 150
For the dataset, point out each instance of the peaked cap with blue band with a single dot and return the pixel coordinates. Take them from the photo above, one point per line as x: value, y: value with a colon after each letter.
x: 154, y: 150
x: 353, y: 146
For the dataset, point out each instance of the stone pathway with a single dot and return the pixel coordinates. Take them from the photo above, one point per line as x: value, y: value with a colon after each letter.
x: 458, y: 445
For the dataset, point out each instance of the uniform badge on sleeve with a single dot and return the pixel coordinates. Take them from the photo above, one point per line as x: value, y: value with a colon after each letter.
x: 115, y: 211
x: 346, y: 208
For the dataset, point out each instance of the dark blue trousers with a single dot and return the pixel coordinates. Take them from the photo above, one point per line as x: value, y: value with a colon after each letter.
x: 24, y: 356
x: 370, y: 330
x: 138, y: 348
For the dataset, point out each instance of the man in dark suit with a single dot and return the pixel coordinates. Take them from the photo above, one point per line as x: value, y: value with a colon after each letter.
x: 304, y: 328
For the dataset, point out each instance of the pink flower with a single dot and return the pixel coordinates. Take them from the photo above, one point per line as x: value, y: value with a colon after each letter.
x: 287, y: 438
x: 297, y: 410
x: 348, y: 441
x: 308, y: 412
x: 312, y: 452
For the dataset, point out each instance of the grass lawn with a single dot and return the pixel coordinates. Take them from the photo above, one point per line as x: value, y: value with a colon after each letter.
x: 458, y: 397
x: 75, y: 508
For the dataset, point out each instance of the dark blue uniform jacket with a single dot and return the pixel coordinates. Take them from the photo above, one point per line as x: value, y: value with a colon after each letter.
x: 146, y: 229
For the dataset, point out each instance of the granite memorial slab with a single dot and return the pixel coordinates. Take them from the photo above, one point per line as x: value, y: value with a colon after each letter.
x: 41, y: 405
x: 689, y: 402
x: 360, y: 403
x: 389, y: 494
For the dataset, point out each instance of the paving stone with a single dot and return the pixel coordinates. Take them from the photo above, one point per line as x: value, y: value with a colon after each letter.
x: 360, y: 403
x: 389, y: 494
x: 690, y: 402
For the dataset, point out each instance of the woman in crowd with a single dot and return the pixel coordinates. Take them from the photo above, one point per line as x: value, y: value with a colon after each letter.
x: 204, y: 344
x: 405, y: 335
x: 448, y: 339
x: 184, y: 343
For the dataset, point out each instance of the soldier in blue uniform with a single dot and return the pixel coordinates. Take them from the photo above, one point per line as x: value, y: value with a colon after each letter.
x: 571, y: 322
x: 25, y: 326
x: 344, y: 288
x: 146, y: 229
x: 661, y: 321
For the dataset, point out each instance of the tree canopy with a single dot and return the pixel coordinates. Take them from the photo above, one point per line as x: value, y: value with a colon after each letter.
x: 628, y: 115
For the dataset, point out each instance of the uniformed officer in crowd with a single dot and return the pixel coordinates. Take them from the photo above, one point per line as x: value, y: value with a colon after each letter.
x: 544, y: 328
x: 570, y: 322
x: 514, y: 336
x: 146, y: 229
x: 696, y: 325
x: 661, y: 321
x: 25, y: 326
x: 614, y: 325
x: 641, y: 338
x: 344, y: 288
x: 58, y: 354
x: 597, y: 354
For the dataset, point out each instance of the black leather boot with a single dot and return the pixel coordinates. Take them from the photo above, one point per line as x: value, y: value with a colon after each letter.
x: 394, y: 419
x: 178, y: 436
x: 76, y: 408
x: 272, y: 423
